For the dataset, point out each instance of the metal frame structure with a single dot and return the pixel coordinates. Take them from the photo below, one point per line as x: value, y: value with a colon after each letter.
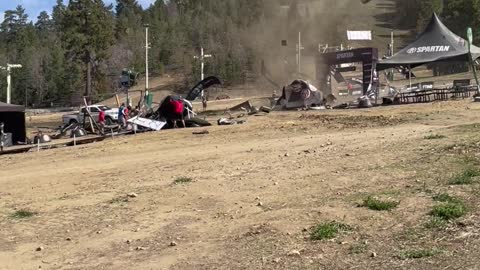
x: 367, y: 56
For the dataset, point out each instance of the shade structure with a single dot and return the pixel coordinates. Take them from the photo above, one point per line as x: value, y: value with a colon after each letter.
x: 436, y: 44
x: 13, y: 117
x: 4, y: 107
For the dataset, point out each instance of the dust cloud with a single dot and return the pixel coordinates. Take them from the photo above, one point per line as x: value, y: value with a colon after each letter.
x: 319, y: 21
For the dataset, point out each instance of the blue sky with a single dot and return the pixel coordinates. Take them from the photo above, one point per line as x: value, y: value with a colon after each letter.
x: 34, y: 7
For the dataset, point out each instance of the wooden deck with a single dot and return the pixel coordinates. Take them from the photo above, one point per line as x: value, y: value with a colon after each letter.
x: 18, y: 149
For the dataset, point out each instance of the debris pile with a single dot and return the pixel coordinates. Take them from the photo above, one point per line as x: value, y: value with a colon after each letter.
x: 300, y: 94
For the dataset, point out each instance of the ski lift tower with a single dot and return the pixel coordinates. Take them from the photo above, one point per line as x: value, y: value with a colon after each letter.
x: 8, y: 68
x: 202, y: 64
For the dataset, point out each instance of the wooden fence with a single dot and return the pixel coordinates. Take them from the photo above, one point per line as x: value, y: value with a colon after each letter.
x: 424, y: 96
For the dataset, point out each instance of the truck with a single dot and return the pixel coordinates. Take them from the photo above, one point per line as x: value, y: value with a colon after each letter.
x: 111, y: 114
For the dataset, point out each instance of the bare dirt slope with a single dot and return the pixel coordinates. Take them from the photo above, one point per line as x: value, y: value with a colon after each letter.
x: 379, y: 16
x: 256, y: 190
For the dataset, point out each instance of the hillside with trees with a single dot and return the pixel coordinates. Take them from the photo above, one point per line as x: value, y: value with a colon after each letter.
x: 81, y: 47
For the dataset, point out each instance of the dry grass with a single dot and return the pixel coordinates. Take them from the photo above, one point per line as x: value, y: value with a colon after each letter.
x: 465, y: 178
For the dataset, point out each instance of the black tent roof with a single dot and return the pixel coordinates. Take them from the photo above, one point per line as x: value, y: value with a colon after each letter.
x: 437, y: 43
x: 4, y: 107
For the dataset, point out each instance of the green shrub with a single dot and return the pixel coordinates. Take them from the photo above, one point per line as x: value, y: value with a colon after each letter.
x: 418, y: 254
x: 328, y: 230
x: 379, y: 205
x: 449, y: 210
x: 434, y: 137
x: 21, y: 214
x: 182, y: 180
x: 444, y: 197
x: 465, y: 178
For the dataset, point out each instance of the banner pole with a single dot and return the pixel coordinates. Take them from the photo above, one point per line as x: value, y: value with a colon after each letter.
x: 470, y: 57
x: 410, y: 76
x: 475, y: 74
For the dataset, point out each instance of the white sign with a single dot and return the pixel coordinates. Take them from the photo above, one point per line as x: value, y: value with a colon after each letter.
x: 427, y: 86
x: 428, y: 49
x: 359, y: 35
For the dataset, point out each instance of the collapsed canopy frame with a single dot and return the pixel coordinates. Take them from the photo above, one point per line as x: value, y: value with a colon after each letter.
x: 367, y: 56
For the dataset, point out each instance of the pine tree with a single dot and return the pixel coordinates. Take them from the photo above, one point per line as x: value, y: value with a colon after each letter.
x: 425, y: 10
x: 87, y: 30
x: 44, y: 26
x: 58, y: 14
x: 129, y: 18
x: 462, y: 14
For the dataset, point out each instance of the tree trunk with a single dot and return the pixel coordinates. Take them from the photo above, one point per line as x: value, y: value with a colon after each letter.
x: 88, y: 85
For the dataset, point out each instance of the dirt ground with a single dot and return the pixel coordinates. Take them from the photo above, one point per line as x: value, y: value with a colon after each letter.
x: 248, y: 196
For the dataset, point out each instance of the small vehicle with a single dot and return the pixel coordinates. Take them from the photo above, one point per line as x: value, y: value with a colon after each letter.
x: 111, y: 115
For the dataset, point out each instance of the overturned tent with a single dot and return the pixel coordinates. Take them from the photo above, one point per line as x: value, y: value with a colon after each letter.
x: 300, y: 94
x: 204, y: 84
x: 13, y: 117
x: 436, y: 44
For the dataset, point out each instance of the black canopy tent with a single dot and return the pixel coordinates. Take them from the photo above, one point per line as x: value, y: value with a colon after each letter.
x: 436, y: 44
x: 13, y: 117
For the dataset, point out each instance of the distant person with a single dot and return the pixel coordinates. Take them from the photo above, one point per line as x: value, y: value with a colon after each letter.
x: 134, y: 112
x: 121, y: 119
x: 204, y: 102
x: 101, y: 121
x: 126, y: 112
x: 2, y: 134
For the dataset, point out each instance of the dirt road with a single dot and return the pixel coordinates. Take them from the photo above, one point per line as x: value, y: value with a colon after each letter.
x: 246, y: 196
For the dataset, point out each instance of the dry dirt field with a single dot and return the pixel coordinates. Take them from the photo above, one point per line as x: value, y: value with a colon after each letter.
x: 254, y: 196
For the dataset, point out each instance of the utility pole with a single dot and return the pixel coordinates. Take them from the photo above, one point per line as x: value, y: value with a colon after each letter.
x: 147, y: 47
x: 202, y: 63
x: 392, y: 71
x: 299, y: 52
x: 8, y: 68
x: 88, y: 62
x: 391, y: 42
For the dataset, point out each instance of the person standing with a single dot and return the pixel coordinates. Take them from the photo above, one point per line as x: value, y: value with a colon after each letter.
x: 126, y: 114
x: 121, y: 119
x: 2, y: 137
x: 101, y: 121
x: 204, y: 102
